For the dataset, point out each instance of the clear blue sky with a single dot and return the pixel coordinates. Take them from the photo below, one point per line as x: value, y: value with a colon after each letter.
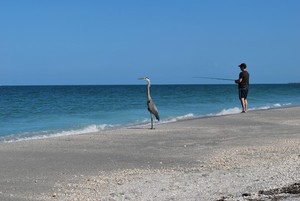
x: 170, y: 41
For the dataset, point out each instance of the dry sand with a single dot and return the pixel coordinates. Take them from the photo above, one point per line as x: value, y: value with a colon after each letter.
x: 252, y: 156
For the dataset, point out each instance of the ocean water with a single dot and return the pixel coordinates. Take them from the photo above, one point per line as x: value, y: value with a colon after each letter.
x: 29, y: 112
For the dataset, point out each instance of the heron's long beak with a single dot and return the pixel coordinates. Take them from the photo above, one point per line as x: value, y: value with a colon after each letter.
x: 142, y: 78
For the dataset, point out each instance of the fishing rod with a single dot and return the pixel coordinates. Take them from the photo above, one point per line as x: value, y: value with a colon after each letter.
x: 215, y: 78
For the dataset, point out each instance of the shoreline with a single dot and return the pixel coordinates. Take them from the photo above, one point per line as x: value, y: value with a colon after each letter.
x: 82, y: 131
x: 227, y: 157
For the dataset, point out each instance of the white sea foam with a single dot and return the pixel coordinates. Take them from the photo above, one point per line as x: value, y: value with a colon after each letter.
x: 178, y: 118
x: 234, y: 110
x: 276, y: 105
x: 167, y: 120
x: 88, y: 129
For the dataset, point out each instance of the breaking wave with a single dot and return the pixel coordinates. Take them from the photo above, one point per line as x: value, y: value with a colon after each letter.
x: 48, y: 134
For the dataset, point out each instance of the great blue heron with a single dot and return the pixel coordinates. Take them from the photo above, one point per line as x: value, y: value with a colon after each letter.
x: 151, y: 106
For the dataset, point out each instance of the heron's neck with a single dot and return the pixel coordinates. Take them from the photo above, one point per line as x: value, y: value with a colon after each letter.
x: 148, y: 94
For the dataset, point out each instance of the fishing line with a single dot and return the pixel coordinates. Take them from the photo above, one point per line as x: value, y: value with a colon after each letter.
x: 215, y: 78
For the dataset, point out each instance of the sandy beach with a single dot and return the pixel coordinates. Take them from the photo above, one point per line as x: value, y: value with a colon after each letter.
x: 252, y: 156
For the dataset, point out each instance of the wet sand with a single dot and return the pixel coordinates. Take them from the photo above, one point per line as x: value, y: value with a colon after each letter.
x: 252, y: 156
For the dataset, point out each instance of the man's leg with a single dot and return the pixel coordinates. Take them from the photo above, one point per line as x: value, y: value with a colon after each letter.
x: 246, y: 105
x: 243, y: 103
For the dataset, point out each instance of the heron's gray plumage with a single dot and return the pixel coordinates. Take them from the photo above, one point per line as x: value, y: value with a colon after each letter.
x: 151, y: 106
x: 152, y: 109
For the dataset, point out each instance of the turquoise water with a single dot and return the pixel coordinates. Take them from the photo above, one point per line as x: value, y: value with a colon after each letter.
x: 28, y: 112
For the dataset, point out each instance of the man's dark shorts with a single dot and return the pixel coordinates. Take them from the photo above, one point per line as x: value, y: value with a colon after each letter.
x: 243, y: 93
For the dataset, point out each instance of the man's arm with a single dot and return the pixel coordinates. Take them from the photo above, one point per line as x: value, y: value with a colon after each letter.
x: 238, y: 80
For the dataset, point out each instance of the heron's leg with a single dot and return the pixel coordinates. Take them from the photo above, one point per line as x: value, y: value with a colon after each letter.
x: 151, y: 121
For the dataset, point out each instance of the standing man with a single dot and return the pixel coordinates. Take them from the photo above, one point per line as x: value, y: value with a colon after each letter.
x: 243, y: 86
